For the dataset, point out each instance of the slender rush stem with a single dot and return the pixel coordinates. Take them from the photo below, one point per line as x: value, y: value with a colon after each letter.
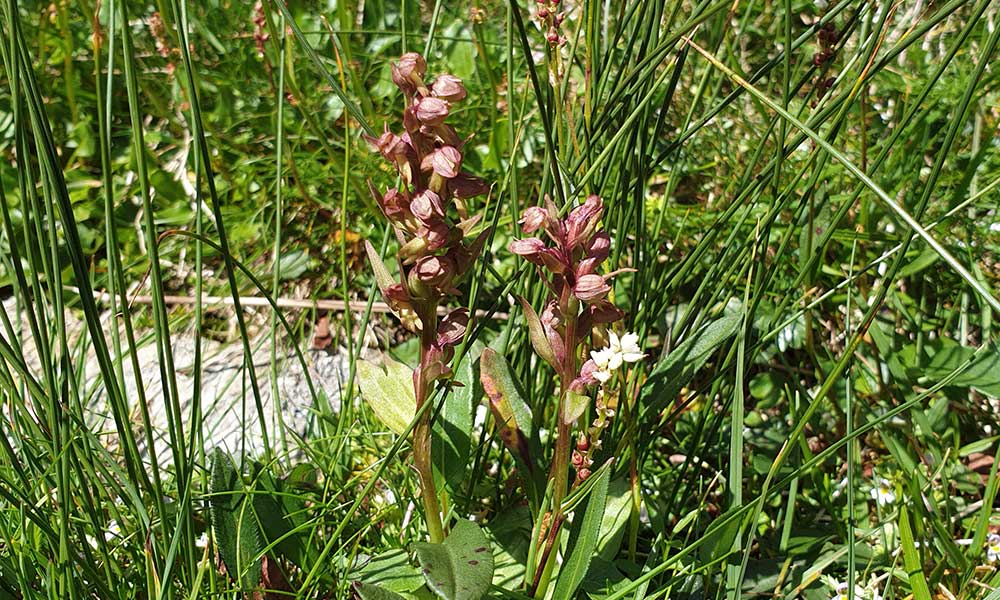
x: 422, y: 434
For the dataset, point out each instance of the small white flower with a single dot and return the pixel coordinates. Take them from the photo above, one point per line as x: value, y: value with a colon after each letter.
x: 630, y: 350
x: 112, y: 531
x: 602, y: 358
x: 995, y: 227
x: 839, y: 488
x: 993, y: 547
x: 618, y: 352
x: 842, y: 588
x: 202, y: 541
x: 882, y: 492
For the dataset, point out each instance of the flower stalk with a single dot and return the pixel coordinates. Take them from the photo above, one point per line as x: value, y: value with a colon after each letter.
x: 578, y: 309
x: 430, y: 217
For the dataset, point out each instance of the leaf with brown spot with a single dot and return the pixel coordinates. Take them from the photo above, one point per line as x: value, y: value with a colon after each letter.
x: 510, y: 411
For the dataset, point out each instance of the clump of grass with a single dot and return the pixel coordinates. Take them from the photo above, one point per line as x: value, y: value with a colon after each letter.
x: 806, y: 193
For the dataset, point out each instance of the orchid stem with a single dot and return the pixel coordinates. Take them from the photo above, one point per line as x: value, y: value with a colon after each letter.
x: 422, y: 438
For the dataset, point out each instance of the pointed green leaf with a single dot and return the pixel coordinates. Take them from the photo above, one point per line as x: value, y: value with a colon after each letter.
x: 508, y: 406
x: 381, y: 272
x: 277, y: 511
x: 583, y: 538
x: 452, y: 432
x: 389, y: 392
x: 678, y: 368
x: 911, y: 558
x: 576, y: 404
x: 461, y: 567
x: 536, y: 333
x: 233, y: 522
x: 391, y: 571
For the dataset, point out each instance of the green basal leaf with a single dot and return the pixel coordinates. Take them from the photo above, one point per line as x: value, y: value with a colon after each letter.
x: 368, y: 591
x: 452, y: 441
x: 461, y: 567
x: 233, y: 522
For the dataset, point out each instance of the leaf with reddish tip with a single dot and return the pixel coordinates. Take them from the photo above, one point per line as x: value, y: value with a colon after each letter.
x: 539, y: 340
x: 510, y: 411
x: 381, y: 272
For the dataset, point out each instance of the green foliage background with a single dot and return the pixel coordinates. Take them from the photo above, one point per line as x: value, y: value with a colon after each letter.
x: 805, y: 338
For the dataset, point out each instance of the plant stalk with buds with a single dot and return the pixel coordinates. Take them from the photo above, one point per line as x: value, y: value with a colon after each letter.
x: 577, y: 309
x: 431, y: 221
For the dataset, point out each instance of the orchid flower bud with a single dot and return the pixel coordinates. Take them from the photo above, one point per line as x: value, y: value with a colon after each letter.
x: 431, y: 111
x: 426, y: 206
x: 448, y: 87
x: 444, y: 162
x: 591, y: 287
x: 465, y: 186
x: 400, y: 302
x: 413, y: 249
x: 527, y: 247
x: 435, y: 234
x: 410, y: 120
x: 434, y: 364
x: 409, y: 72
x: 533, y: 218
x: 603, y: 311
x: 599, y: 247
x: 434, y: 271
x: 535, y: 251
x: 582, y: 221
x: 452, y: 328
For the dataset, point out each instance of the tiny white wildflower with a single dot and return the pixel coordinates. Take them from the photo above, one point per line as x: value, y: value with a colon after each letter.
x: 842, y: 588
x: 630, y: 350
x: 995, y: 227
x: 839, y: 488
x: 620, y: 350
x: 202, y: 541
x: 993, y: 547
x: 602, y: 358
x: 882, y: 492
x: 112, y: 531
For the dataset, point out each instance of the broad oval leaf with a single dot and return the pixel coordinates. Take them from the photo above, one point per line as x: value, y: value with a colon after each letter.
x: 459, y: 568
x: 368, y: 591
x: 389, y: 392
